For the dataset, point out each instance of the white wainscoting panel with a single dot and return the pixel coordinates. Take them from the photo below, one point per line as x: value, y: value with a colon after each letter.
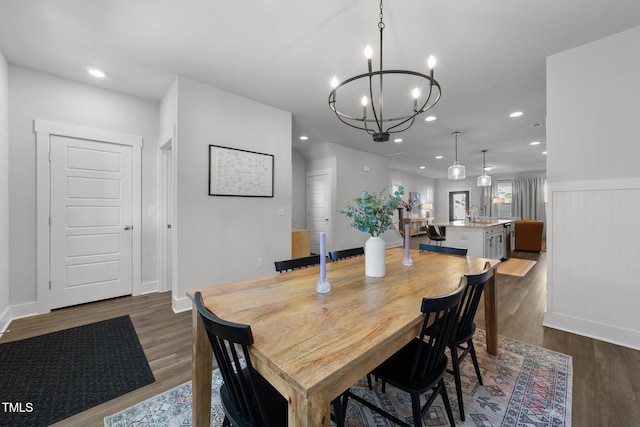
x: 593, y: 276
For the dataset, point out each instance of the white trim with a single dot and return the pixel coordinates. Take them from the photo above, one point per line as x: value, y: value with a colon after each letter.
x: 44, y: 129
x: 164, y: 250
x: 150, y: 287
x: 181, y: 304
x: 617, y: 324
x: 595, y: 330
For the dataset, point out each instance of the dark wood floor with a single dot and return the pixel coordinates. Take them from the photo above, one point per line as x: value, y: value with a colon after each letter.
x: 606, y: 377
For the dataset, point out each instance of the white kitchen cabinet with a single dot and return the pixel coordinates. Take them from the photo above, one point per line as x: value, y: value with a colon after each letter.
x: 486, y: 240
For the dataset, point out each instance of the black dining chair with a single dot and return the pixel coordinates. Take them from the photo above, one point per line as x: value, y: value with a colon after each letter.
x: 462, y: 336
x: 295, y: 263
x: 346, y: 253
x: 419, y: 366
x: 247, y: 398
x: 433, y: 235
x: 442, y: 249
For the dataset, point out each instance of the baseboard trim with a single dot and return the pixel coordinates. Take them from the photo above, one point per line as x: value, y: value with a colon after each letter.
x: 181, y: 304
x: 5, y: 319
x: 149, y: 287
x: 599, y: 331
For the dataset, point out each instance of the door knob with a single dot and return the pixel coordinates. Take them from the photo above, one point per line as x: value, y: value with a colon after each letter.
x: 127, y: 227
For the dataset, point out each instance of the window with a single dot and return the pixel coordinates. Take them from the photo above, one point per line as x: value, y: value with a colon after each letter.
x: 504, y: 190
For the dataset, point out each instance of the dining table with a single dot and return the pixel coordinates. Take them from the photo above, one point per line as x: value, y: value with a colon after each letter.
x: 313, y: 346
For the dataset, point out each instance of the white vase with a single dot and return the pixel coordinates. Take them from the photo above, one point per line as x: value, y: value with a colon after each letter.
x: 374, y: 257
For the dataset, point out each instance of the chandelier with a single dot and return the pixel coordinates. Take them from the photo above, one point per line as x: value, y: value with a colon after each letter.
x: 456, y: 170
x: 484, y: 180
x: 372, y: 118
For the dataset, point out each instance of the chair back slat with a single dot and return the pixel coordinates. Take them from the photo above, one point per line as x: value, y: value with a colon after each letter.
x: 471, y: 299
x: 230, y: 344
x: 442, y: 249
x: 439, y: 319
x: 293, y: 264
x: 345, y: 253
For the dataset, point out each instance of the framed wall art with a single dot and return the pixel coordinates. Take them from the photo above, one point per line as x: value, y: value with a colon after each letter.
x: 241, y: 173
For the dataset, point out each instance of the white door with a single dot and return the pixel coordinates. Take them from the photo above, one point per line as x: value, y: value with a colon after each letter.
x: 91, y: 220
x: 318, y: 209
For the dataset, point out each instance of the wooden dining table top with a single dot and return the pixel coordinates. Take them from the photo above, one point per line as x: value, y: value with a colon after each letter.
x: 313, y: 346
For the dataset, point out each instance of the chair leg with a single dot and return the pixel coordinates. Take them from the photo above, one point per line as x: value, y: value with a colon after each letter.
x: 447, y: 405
x: 472, y: 350
x: 339, y: 411
x: 455, y: 362
x: 417, y: 410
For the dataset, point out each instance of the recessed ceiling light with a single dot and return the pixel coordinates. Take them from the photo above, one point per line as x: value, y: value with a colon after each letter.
x: 423, y: 167
x: 516, y: 114
x: 429, y: 118
x: 304, y: 138
x: 544, y: 152
x: 97, y: 73
x: 438, y: 157
x: 397, y: 140
x: 488, y: 168
x: 534, y: 143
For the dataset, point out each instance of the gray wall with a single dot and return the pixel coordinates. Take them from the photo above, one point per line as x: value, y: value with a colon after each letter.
x: 299, y: 190
x: 4, y: 191
x: 220, y: 239
x: 36, y: 95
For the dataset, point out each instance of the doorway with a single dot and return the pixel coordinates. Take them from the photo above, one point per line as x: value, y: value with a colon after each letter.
x: 88, y: 214
x: 166, y: 216
x: 319, y: 197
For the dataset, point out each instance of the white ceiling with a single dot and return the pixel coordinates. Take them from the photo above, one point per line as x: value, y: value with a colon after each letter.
x: 491, y: 60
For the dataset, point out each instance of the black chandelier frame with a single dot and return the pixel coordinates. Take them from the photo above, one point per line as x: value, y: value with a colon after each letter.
x: 395, y: 124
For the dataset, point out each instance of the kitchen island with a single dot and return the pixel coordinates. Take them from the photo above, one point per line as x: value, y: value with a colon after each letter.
x: 484, y: 238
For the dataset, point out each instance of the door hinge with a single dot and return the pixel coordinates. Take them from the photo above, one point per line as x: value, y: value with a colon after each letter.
x: 49, y: 284
x: 49, y: 156
x: 49, y: 221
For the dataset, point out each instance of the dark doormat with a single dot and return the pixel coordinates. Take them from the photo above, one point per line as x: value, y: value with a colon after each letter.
x: 51, y: 377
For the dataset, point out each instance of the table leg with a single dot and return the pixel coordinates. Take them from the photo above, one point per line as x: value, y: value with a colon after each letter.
x: 312, y: 411
x: 490, y: 315
x: 200, y: 373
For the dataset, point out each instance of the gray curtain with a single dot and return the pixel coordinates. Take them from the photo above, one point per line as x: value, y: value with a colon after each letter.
x: 528, y: 199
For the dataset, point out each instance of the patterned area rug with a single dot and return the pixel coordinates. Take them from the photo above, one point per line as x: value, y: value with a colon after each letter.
x: 526, y: 386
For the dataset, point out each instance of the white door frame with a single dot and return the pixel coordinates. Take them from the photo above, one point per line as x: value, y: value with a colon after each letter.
x: 44, y: 129
x: 167, y: 203
x: 329, y: 232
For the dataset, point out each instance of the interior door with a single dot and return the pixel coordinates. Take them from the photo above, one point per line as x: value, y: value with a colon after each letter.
x: 91, y: 220
x: 318, y: 209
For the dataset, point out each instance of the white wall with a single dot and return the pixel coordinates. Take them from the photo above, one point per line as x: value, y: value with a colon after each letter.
x: 414, y: 183
x: 4, y: 192
x: 444, y: 186
x: 35, y: 95
x: 594, y: 189
x: 299, y: 191
x: 349, y: 181
x: 220, y: 239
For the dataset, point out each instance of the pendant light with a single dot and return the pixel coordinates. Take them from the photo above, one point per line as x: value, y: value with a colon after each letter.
x: 484, y: 180
x: 456, y: 171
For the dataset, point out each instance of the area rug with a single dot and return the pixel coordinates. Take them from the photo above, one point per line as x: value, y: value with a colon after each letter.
x: 51, y: 377
x: 524, y: 386
x: 516, y: 267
